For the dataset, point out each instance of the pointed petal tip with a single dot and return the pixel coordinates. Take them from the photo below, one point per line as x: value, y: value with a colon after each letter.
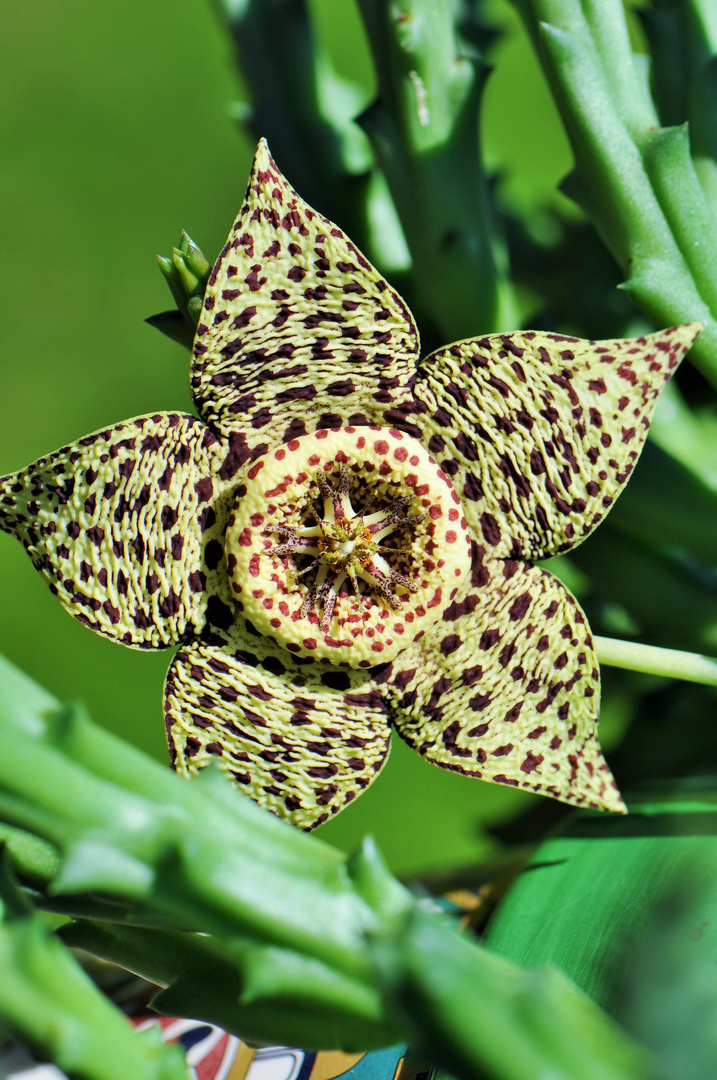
x: 262, y: 155
x: 693, y: 331
x: 597, y: 791
x: 606, y: 799
x: 612, y: 801
x: 686, y: 333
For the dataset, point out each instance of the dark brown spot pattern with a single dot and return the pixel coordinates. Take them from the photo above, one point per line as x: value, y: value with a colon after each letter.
x: 300, y: 746
x: 118, y: 545
x: 323, y: 324
x: 130, y: 526
x: 538, y: 460
x: 527, y: 716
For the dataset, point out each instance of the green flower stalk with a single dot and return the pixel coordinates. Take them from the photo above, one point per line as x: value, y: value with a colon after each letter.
x: 635, y: 180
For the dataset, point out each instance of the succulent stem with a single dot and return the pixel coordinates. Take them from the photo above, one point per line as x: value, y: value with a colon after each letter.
x: 306, y: 111
x: 424, y: 131
x: 636, y: 181
x: 672, y: 663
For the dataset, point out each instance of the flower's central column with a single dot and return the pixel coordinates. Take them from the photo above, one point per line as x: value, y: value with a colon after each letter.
x: 346, y: 545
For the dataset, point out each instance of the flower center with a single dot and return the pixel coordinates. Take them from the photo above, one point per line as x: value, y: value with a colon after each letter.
x: 306, y: 546
x: 349, y: 545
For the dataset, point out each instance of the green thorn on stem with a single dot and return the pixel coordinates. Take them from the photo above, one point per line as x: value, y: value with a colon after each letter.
x: 652, y: 660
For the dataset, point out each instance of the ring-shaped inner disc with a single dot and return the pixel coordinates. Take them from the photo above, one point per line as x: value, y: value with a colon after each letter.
x: 391, y: 523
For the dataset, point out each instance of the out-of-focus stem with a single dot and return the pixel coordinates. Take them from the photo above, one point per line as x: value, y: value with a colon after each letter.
x: 671, y: 663
x: 260, y: 992
x: 424, y: 129
x: 301, y: 938
x: 305, y: 110
x: 46, y: 1000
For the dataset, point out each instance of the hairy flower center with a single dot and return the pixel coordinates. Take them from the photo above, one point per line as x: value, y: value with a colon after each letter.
x: 344, y: 544
x: 306, y: 550
x: 348, y: 545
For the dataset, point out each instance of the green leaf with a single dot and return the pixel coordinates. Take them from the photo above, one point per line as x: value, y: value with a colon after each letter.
x: 590, y: 891
x: 477, y: 1016
x: 668, y: 995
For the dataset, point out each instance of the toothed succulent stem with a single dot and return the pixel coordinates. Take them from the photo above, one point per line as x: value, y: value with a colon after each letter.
x: 424, y: 131
x: 48, y: 1002
x: 306, y: 110
x: 683, y: 42
x: 635, y: 180
x: 309, y: 948
x: 148, y: 852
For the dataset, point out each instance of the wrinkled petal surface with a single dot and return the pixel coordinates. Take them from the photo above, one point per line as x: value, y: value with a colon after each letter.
x: 302, y: 739
x: 538, y: 432
x: 298, y: 331
x: 506, y: 687
x: 118, y: 524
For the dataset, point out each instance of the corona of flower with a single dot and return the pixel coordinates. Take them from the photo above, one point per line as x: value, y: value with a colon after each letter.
x: 344, y: 544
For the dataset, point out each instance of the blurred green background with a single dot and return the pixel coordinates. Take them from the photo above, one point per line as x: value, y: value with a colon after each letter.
x: 116, y: 134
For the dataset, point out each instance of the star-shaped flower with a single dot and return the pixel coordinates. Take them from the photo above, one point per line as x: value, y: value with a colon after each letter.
x: 343, y: 543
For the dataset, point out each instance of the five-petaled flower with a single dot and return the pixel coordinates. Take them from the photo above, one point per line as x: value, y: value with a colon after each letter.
x: 345, y: 541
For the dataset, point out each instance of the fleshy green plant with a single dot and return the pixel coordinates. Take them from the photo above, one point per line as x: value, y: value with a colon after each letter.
x: 244, y: 922
x: 138, y: 860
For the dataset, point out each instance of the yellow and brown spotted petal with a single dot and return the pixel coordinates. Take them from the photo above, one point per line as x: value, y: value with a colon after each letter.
x: 538, y: 432
x: 120, y: 524
x: 298, y: 331
x: 506, y: 687
x: 301, y: 738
